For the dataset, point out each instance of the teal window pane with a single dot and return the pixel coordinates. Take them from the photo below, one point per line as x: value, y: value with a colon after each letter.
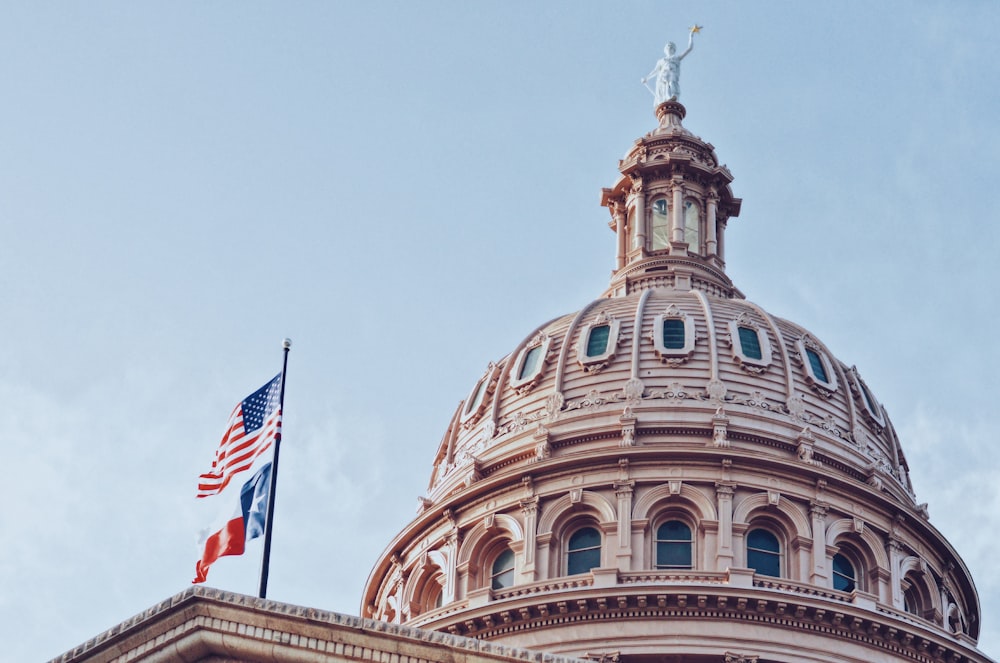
x: 750, y: 343
x: 597, y: 342
x: 764, y: 553
x: 673, y: 334
x: 530, y: 365
x: 817, y: 365
x: 502, y: 574
x: 844, y: 577
x: 584, y: 551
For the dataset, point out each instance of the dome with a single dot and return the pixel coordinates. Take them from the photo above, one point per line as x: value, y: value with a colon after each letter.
x: 688, y: 369
x: 672, y: 473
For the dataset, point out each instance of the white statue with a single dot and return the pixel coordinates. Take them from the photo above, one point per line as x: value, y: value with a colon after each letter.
x: 668, y: 71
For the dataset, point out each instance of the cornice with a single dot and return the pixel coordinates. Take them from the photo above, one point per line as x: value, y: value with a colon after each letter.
x: 772, y: 602
x: 202, y: 622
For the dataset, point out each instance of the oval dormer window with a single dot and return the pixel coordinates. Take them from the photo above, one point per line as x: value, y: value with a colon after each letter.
x: 476, y: 399
x: 661, y: 224
x: 598, y: 342
x: 476, y: 402
x: 816, y: 364
x: 750, y: 343
x: 530, y: 362
x: 872, y: 407
x: 751, y: 347
x: 673, y: 336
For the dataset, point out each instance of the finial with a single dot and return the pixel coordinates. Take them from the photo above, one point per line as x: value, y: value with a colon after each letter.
x: 667, y: 72
x: 286, y: 343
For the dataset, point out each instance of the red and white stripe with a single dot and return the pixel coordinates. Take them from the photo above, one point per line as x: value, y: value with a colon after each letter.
x: 237, y: 451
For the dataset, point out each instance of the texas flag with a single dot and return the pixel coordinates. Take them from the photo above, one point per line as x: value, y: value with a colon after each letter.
x: 245, y: 524
x: 236, y: 486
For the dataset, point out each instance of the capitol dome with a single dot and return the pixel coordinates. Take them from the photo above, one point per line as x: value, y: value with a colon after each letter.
x: 674, y: 474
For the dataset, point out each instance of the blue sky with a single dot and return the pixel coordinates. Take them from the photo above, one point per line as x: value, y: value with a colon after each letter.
x: 407, y: 190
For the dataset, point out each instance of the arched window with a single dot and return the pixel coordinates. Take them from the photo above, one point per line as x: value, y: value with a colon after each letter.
x: 583, y: 552
x: 911, y: 601
x: 673, y: 545
x: 633, y: 227
x: 692, y: 227
x: 502, y: 572
x: 764, y: 552
x: 661, y: 224
x: 845, y: 576
x: 913, y: 598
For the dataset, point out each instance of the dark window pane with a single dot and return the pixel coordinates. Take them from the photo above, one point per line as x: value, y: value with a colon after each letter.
x: 673, y: 555
x: 764, y: 563
x: 817, y: 365
x: 761, y: 539
x: 584, y: 551
x: 582, y: 561
x: 588, y: 537
x: 843, y: 574
x: 673, y: 334
x: 750, y: 343
x: 503, y: 570
x: 597, y: 342
x: 674, y: 530
x: 503, y: 580
x: 763, y: 553
x: 530, y: 365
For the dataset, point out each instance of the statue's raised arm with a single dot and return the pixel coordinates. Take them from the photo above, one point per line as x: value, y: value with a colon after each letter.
x: 667, y: 71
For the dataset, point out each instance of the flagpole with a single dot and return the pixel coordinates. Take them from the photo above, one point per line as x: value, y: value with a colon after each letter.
x: 266, y: 557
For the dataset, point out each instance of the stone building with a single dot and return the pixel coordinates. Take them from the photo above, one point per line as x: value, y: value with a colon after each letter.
x: 669, y: 475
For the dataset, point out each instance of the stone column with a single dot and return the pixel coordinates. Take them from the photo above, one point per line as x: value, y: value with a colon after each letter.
x: 722, y: 241
x: 639, y: 203
x: 818, y: 576
x: 619, y: 220
x: 624, y: 490
x: 529, y: 509
x: 452, y: 539
x: 724, y: 495
x: 677, y: 217
x: 712, y: 241
x: 896, y: 555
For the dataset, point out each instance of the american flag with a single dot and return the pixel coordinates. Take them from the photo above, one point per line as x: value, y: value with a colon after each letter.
x: 253, y: 426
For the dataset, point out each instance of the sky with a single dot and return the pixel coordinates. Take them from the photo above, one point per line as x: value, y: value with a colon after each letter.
x: 406, y: 190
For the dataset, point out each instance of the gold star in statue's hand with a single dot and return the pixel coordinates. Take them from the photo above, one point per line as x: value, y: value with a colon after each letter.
x: 695, y: 28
